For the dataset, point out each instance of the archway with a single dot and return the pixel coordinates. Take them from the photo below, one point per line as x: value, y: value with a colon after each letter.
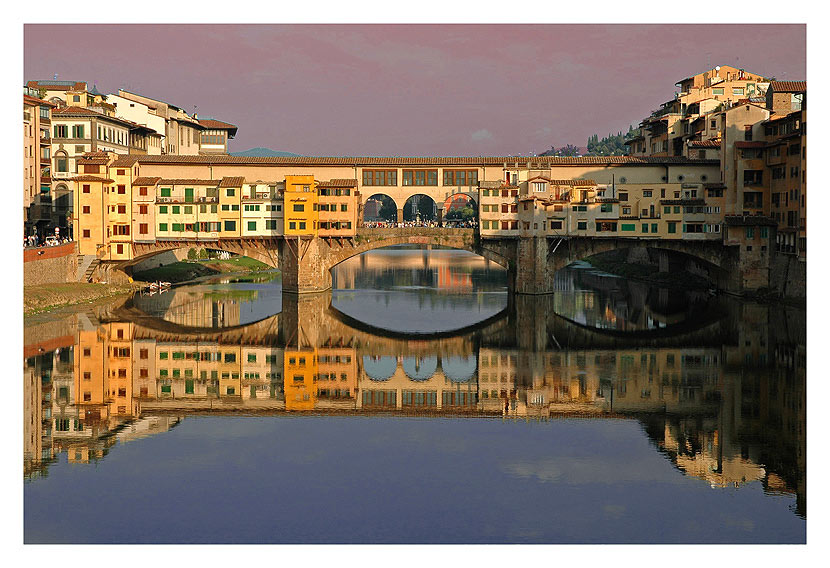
x: 420, y: 209
x: 459, y: 369
x: 379, y: 210
x: 459, y: 209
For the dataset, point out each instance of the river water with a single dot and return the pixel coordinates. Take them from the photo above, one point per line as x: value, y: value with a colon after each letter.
x: 417, y: 403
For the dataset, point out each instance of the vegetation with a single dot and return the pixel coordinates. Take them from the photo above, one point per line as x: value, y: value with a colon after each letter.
x: 567, y: 150
x: 192, y: 269
x: 464, y: 214
x: 45, y: 297
x: 611, y: 145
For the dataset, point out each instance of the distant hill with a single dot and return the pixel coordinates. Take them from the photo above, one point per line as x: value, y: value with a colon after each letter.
x: 262, y: 153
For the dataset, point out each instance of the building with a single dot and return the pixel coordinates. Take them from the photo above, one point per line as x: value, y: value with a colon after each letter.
x: 37, y: 170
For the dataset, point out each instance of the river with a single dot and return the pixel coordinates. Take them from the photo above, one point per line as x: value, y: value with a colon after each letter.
x: 418, y: 403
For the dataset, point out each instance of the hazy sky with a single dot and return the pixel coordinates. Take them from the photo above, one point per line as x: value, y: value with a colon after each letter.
x: 409, y: 90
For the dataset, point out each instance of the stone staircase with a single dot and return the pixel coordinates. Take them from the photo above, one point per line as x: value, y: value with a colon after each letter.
x: 87, y: 263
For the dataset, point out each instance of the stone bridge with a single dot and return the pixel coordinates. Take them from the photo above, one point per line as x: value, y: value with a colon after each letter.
x: 531, y: 262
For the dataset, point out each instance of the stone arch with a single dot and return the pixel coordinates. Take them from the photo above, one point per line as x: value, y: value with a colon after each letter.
x: 720, y: 263
x: 417, y: 207
x: 454, y: 197
x: 258, y: 250
x: 392, y: 216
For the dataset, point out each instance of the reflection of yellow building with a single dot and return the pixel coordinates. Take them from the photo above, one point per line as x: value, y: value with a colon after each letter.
x: 300, y: 379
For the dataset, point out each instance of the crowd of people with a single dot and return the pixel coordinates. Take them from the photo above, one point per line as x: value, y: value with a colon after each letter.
x: 49, y: 241
x: 428, y: 224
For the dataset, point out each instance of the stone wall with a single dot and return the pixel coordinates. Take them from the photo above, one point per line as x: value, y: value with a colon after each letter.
x: 788, y: 276
x: 50, y: 265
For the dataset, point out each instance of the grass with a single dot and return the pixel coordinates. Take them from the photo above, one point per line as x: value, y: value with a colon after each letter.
x: 45, y: 297
x: 191, y: 269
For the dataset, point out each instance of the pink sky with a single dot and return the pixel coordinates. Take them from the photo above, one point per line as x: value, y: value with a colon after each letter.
x: 409, y: 90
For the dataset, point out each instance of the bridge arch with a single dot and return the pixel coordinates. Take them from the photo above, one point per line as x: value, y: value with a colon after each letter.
x: 455, y: 200
x: 460, y: 369
x: 420, y: 207
x: 381, y: 206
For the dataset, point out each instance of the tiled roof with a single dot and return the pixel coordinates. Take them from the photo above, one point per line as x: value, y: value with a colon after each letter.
x: 340, y: 182
x: 91, y: 178
x: 188, y: 181
x: 405, y: 161
x: 754, y: 220
x: 58, y: 85
x: 575, y: 182
x: 211, y: 124
x: 235, y: 181
x: 124, y: 161
x: 146, y: 180
x: 704, y: 144
x: 788, y: 86
x: 92, y: 160
x: 37, y: 101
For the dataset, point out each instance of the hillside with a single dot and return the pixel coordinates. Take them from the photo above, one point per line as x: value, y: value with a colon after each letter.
x: 260, y: 152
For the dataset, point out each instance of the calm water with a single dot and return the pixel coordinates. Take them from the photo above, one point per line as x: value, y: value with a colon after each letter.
x: 417, y: 403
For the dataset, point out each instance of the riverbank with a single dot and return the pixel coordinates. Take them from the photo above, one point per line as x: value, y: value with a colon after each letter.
x: 187, y: 270
x: 47, y: 297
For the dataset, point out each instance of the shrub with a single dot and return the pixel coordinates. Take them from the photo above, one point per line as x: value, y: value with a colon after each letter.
x: 191, y: 254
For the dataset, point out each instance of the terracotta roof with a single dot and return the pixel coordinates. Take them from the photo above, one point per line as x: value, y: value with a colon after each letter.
x: 575, y: 182
x: 90, y: 178
x: 704, y: 144
x: 58, y: 85
x: 401, y: 161
x: 218, y: 125
x: 124, y: 161
x: 750, y: 144
x: 146, y: 180
x: 188, y: 181
x: 85, y: 112
x: 753, y: 220
x: 788, y: 86
x: 91, y: 160
x: 235, y: 181
x: 37, y: 101
x: 340, y: 182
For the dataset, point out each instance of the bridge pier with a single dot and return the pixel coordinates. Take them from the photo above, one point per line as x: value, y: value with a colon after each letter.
x: 304, y: 267
x: 532, y: 273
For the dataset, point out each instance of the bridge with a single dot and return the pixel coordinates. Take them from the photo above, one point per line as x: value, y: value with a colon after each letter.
x: 531, y: 262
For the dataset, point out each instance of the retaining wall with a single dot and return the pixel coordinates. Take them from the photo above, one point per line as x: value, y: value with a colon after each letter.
x: 50, y: 265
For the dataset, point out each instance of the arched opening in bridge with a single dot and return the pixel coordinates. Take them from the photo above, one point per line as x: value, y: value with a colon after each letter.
x: 638, y: 289
x: 181, y: 262
x: 380, y: 208
x: 459, y: 210
x: 420, y: 209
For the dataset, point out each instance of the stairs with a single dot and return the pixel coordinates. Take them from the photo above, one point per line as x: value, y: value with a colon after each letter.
x: 86, y: 266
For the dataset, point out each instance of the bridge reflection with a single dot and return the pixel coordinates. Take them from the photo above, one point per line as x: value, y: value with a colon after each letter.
x: 705, y: 394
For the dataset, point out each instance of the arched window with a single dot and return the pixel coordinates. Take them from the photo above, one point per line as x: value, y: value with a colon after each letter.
x: 61, y: 162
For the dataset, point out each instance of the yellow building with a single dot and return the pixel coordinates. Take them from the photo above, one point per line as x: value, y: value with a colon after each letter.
x: 300, y: 379
x: 300, y: 200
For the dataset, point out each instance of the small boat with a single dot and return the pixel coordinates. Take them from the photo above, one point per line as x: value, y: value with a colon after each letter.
x: 159, y: 285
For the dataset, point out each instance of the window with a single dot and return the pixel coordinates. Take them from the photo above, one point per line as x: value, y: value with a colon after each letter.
x: 252, y: 225
x: 299, y: 207
x: 85, y: 209
x: 165, y: 192
x: 646, y: 193
x: 78, y: 131
x: 270, y: 225
x: 380, y: 177
x: 672, y: 227
x: 162, y: 227
x: 230, y: 225
x: 750, y: 232
x: 142, y: 209
x: 86, y: 233
x: 61, y: 131
x: 460, y: 177
x: 162, y: 209
x: 230, y: 192
x: 606, y: 208
x: 176, y: 209
x: 142, y: 228
x: 539, y: 186
x: 581, y: 225
x: 627, y: 227
x: 420, y: 177
x: 737, y: 90
x: 623, y: 196
x: 717, y: 91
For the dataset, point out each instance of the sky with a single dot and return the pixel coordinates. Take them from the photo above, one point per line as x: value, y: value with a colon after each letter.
x: 409, y: 90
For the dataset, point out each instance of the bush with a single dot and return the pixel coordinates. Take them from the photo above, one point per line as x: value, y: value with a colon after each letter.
x: 203, y: 253
x: 191, y: 254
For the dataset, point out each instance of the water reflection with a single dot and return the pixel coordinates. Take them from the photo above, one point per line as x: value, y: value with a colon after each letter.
x: 722, y: 399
